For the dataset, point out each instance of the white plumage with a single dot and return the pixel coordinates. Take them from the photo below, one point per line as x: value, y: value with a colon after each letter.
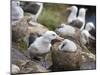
x: 66, y: 30
x: 68, y: 45
x: 81, y: 17
x: 43, y: 43
x: 17, y: 11
x: 79, y: 21
x: 73, y: 13
x: 85, y: 35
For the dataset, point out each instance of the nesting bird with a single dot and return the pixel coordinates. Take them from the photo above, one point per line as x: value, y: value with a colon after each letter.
x: 66, y: 56
x: 85, y: 35
x: 65, y: 30
x: 41, y: 46
x: 79, y: 21
x: 68, y: 46
x: 17, y: 12
x: 68, y: 31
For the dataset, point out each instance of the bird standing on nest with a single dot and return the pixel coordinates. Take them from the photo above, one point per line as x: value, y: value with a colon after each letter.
x: 79, y: 21
x: 41, y: 46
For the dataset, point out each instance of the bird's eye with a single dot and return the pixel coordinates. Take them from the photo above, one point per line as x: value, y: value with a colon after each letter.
x: 53, y: 34
x: 63, y: 45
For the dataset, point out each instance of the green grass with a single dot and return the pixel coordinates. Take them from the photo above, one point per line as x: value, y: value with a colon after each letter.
x: 52, y: 15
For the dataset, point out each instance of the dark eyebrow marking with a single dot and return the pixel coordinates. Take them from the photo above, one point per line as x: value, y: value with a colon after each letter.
x: 63, y: 45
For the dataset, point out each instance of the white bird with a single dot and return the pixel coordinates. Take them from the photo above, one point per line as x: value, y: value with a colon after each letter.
x: 68, y: 31
x: 65, y: 30
x: 41, y: 46
x: 67, y: 46
x: 85, y: 35
x: 73, y: 13
x: 17, y: 12
x: 79, y: 22
x: 15, y: 69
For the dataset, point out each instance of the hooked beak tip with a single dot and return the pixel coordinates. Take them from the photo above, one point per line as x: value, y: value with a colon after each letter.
x: 60, y: 38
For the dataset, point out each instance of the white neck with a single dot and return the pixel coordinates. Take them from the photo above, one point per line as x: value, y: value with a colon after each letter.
x: 39, y: 11
x: 72, y: 16
x: 88, y: 28
x: 82, y: 15
x: 42, y: 45
x: 46, y: 40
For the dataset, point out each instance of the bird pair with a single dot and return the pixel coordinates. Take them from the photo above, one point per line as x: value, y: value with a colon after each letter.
x: 74, y: 20
x: 42, y: 45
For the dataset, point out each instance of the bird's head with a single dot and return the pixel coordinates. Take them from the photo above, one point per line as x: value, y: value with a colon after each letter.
x: 51, y: 35
x: 15, y: 3
x: 72, y: 8
x: 90, y: 26
x: 82, y: 12
x: 67, y: 45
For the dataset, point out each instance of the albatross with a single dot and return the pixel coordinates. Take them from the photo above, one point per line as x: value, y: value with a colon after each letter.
x: 73, y: 13
x: 85, y: 35
x: 41, y: 46
x: 68, y: 31
x: 68, y: 45
x: 79, y: 21
x: 66, y: 55
x: 17, y: 12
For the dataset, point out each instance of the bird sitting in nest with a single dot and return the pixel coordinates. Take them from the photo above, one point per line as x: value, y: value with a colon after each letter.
x: 66, y: 56
x: 87, y: 38
x: 68, y: 31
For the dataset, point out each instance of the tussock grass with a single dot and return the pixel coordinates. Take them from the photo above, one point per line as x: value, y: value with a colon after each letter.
x: 53, y: 15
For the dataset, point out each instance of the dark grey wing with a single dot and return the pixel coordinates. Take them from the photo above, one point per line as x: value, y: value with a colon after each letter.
x: 76, y: 23
x: 33, y: 37
x: 31, y: 8
x: 93, y: 32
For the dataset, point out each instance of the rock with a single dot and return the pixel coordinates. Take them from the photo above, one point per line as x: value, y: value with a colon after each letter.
x: 37, y: 28
x: 20, y: 30
x: 15, y: 69
x: 88, y: 62
x: 32, y: 67
x: 16, y: 56
x: 25, y: 64
x: 92, y: 46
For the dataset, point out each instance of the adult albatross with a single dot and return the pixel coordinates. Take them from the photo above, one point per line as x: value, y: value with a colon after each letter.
x: 85, y: 35
x: 17, y: 12
x: 73, y: 13
x: 79, y: 21
x: 41, y: 46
